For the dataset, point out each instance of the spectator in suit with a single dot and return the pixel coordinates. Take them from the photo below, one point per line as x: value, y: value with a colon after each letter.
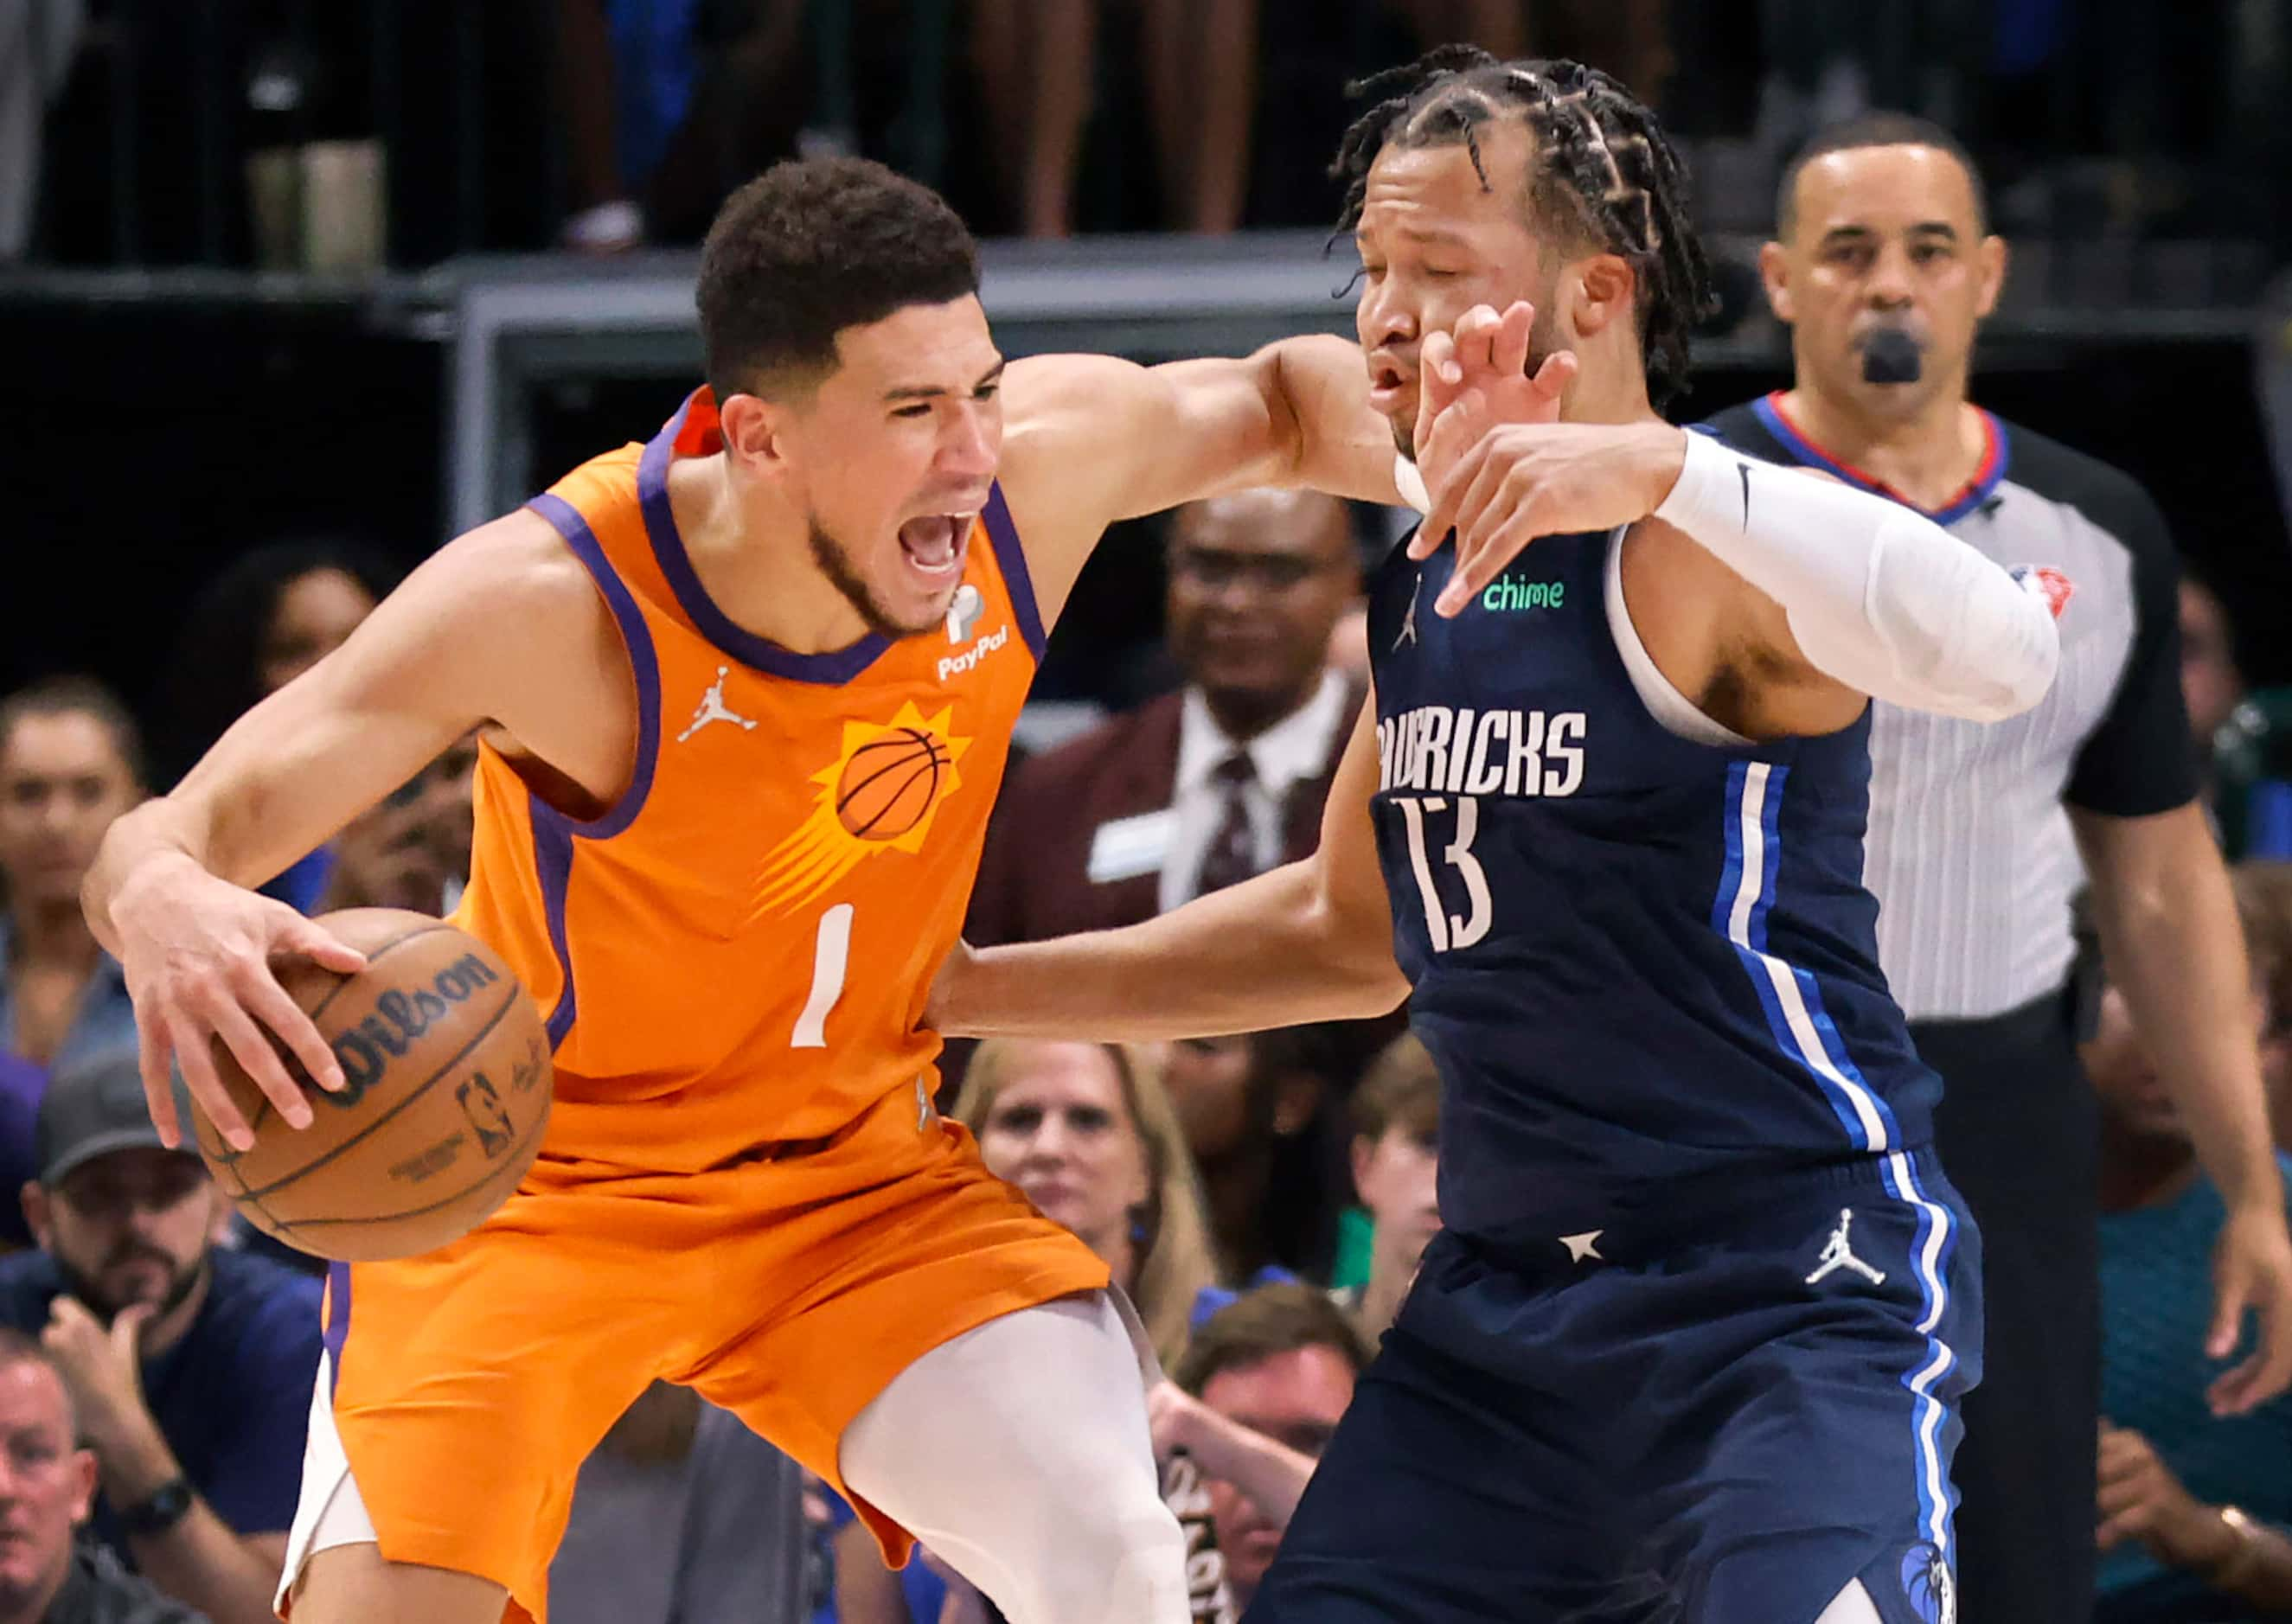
x: 70, y: 762
x: 47, y: 1483
x: 1211, y: 784
x: 190, y: 1366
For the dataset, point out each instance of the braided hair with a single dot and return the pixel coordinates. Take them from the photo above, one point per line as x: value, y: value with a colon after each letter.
x: 1604, y: 171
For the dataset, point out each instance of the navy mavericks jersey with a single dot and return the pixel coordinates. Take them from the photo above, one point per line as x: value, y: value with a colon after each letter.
x: 1638, y: 961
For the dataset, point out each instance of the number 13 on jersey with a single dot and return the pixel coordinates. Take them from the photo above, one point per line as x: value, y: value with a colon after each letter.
x: 1419, y: 813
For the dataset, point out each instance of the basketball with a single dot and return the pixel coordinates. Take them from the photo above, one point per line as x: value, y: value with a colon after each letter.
x: 446, y: 1085
x: 889, y: 782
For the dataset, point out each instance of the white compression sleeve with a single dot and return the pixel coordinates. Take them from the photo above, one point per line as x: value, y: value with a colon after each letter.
x: 1878, y: 597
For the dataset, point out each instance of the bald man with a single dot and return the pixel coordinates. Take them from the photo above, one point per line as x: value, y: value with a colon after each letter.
x: 1213, y: 784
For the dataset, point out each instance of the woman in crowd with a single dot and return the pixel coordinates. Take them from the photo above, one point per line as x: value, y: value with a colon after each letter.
x: 1088, y: 1132
x: 271, y: 616
x: 1257, y: 1111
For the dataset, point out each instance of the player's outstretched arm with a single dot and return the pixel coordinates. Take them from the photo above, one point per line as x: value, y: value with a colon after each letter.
x: 1851, y: 593
x: 1309, y: 941
x: 1092, y: 439
x: 478, y: 633
x: 1854, y: 595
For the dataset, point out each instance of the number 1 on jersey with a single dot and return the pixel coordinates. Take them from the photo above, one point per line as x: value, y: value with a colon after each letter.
x: 1445, y: 930
x: 831, y: 955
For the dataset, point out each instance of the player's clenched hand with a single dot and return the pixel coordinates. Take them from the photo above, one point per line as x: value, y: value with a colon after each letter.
x: 2252, y: 1269
x: 197, y: 951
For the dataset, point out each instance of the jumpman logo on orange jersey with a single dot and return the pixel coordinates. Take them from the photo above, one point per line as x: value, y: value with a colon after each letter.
x: 712, y: 708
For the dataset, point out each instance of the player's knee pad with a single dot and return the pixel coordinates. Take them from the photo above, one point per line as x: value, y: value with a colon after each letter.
x: 1123, y: 1564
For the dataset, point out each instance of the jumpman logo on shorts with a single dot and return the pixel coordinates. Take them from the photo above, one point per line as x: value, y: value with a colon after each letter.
x: 712, y: 708
x: 1408, y: 620
x: 1838, y: 1254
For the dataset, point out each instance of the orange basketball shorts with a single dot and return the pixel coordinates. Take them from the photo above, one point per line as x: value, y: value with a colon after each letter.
x: 470, y: 1384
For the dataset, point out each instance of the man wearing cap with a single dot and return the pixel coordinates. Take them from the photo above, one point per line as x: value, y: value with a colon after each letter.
x: 190, y: 1366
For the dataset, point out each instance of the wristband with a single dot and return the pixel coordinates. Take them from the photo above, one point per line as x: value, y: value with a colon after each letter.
x: 160, y: 1510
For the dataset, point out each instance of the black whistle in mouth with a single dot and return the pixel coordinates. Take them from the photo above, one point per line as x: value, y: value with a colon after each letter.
x: 1892, y: 356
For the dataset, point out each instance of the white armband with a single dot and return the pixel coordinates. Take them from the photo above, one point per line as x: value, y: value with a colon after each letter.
x: 1878, y: 597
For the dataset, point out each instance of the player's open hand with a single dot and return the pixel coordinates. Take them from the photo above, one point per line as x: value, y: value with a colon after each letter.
x: 1519, y: 481
x: 197, y: 954
x: 2252, y: 1270
x: 1476, y: 376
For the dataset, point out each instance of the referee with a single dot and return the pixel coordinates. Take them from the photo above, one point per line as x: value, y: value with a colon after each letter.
x: 1883, y: 268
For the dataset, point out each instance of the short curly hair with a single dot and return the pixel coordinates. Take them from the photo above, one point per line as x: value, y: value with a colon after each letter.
x: 812, y: 246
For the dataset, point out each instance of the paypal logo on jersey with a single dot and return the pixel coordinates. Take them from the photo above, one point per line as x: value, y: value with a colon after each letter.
x: 955, y: 665
x: 1481, y: 752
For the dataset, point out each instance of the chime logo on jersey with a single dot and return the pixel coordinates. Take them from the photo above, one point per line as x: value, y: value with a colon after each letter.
x: 879, y: 794
x: 1481, y: 752
x: 1508, y: 594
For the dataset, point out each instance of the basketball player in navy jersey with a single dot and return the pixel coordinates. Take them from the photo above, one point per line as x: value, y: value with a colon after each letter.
x: 1691, y: 1344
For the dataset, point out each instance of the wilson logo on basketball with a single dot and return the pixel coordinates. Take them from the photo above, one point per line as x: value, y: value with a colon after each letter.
x: 399, y: 1017
x: 880, y: 794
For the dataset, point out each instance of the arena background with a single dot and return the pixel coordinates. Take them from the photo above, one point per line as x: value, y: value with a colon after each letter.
x: 166, y: 402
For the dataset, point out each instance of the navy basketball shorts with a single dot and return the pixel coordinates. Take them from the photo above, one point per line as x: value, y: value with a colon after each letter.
x: 1705, y: 1418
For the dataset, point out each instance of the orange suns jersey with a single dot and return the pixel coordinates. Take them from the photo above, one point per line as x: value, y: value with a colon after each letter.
x: 738, y: 951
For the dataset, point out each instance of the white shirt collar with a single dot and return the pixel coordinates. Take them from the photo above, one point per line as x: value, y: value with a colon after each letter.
x: 1300, y: 745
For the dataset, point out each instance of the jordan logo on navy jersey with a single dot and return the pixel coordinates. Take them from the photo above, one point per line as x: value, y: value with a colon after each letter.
x: 1838, y: 1253
x: 1408, y: 620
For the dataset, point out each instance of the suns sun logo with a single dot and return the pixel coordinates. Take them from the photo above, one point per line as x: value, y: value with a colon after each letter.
x: 880, y: 793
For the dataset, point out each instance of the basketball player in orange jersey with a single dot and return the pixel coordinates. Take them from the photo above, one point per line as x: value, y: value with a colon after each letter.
x: 747, y: 690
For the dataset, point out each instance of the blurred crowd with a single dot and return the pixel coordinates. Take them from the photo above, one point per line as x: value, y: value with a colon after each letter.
x: 1264, y: 1199
x: 602, y: 124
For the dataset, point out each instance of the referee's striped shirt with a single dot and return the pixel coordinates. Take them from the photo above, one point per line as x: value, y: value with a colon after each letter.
x: 1970, y: 851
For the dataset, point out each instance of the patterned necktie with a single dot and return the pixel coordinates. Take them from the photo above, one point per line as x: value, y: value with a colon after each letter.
x: 1231, y: 856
